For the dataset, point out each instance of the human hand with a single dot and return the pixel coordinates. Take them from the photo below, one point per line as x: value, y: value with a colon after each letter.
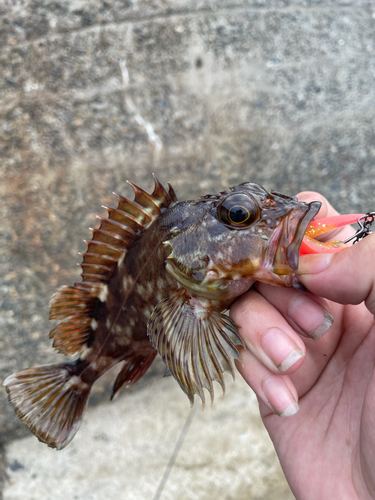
x: 327, y: 449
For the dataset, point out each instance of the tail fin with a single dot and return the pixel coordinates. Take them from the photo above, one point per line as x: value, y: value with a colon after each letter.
x: 50, y: 399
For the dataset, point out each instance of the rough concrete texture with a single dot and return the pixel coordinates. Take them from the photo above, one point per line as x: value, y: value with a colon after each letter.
x: 276, y: 92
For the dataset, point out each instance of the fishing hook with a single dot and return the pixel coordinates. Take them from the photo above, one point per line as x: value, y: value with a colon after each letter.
x: 365, y: 222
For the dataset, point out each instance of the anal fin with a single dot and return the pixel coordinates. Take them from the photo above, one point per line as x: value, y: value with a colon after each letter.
x: 133, y: 369
x: 197, y: 344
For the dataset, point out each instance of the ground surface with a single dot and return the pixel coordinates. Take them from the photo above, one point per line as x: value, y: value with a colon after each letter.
x: 123, y: 448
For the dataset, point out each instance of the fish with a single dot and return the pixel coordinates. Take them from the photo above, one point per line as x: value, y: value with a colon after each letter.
x: 158, y: 277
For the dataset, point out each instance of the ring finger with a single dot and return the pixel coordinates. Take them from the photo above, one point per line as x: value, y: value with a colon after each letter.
x: 273, y: 349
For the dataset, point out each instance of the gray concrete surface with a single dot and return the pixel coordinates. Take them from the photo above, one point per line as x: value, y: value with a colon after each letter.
x: 276, y: 92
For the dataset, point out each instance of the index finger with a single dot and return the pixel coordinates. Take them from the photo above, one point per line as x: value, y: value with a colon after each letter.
x: 347, y: 277
x: 326, y: 210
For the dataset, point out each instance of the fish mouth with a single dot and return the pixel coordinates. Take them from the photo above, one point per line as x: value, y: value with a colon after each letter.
x: 298, y: 234
x: 299, y: 227
x: 284, y: 247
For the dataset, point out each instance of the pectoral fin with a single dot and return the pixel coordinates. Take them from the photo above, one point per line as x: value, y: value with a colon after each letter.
x: 195, y: 343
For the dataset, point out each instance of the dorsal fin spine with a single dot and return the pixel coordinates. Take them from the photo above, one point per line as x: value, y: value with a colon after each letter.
x: 100, y: 278
x: 96, y: 268
x: 172, y: 193
x: 103, y: 248
x: 133, y: 208
x: 89, y: 287
x: 124, y: 218
x: 110, y: 238
x: 160, y: 194
x: 94, y: 288
x: 115, y: 226
x: 93, y: 258
x: 74, y: 306
x: 145, y: 200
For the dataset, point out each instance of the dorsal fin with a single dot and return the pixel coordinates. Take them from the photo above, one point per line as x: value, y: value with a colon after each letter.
x: 122, y: 227
x: 171, y: 193
x: 74, y: 306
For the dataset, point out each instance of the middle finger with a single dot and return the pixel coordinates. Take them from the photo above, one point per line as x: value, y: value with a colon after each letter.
x: 267, y: 334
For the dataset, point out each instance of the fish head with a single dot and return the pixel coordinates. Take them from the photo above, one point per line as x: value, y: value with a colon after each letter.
x: 225, y: 242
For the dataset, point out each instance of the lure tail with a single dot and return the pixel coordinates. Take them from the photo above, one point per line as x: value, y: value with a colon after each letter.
x: 50, y: 399
x: 319, y: 227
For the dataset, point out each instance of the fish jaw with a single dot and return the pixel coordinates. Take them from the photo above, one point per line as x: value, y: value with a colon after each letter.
x: 214, y: 287
x: 282, y: 254
x: 317, y: 228
x: 293, y: 250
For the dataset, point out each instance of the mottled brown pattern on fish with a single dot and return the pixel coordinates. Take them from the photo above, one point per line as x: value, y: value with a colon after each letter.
x: 131, y: 295
x: 133, y: 292
x: 158, y: 276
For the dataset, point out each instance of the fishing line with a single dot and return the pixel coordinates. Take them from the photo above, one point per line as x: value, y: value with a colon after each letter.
x: 175, y: 453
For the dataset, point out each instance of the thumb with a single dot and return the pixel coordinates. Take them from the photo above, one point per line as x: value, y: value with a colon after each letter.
x: 346, y: 277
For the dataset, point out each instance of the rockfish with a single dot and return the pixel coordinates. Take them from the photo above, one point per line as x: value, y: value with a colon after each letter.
x: 157, y: 277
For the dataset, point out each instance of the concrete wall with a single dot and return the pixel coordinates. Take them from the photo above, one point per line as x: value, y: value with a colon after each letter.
x: 275, y: 92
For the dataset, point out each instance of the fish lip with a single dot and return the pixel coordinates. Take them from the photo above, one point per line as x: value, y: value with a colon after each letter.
x: 301, y: 224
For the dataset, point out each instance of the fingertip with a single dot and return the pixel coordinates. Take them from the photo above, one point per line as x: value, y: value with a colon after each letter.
x: 267, y: 335
x: 277, y: 392
x: 309, y: 196
x: 281, y: 395
x: 285, y: 353
x: 326, y: 210
x: 345, y: 277
x: 314, y: 264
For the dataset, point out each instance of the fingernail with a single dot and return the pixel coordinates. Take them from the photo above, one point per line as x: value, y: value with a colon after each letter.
x: 281, y: 349
x: 279, y: 397
x: 310, y: 316
x: 313, y: 264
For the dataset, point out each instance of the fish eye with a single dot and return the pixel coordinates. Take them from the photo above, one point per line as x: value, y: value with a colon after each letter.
x: 237, y: 210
